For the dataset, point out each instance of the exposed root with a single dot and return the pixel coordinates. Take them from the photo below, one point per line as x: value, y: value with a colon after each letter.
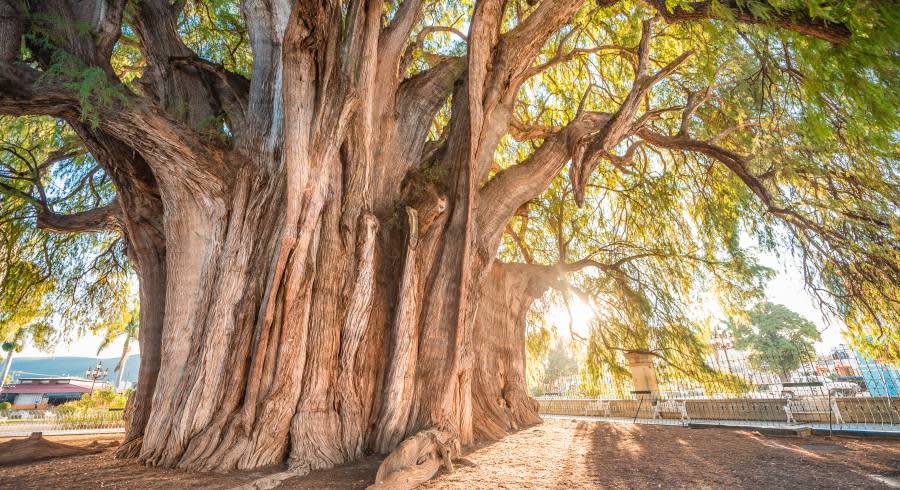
x: 416, y: 460
x: 130, y: 449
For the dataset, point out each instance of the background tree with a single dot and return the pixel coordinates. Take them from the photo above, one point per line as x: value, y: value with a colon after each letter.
x: 779, y: 339
x: 314, y: 230
x: 38, y: 334
x: 558, y: 365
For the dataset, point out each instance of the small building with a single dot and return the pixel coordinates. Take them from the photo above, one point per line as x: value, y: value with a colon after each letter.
x: 41, y: 392
x: 881, y: 379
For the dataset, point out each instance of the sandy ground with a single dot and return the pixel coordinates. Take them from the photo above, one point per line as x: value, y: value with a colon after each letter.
x: 556, y: 454
x: 561, y: 454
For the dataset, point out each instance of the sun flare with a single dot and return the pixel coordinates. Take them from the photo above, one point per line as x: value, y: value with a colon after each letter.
x: 581, y: 315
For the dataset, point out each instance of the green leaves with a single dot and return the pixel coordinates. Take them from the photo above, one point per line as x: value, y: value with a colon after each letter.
x: 55, y: 285
x: 216, y: 31
x: 95, y: 90
x: 778, y: 339
x: 816, y: 125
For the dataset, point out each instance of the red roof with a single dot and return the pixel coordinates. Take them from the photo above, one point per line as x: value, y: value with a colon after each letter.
x: 54, y: 385
x: 45, y: 388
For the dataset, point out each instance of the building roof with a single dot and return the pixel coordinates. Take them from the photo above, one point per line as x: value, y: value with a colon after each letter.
x: 54, y: 388
x: 52, y: 379
x: 54, y: 385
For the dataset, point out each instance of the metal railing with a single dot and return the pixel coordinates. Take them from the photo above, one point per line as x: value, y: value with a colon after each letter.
x: 56, y: 421
x: 841, y: 391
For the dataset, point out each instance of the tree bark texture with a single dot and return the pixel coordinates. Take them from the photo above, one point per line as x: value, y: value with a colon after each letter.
x: 501, y: 402
x: 324, y: 284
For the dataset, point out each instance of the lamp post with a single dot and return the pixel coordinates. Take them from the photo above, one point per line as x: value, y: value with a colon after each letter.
x: 96, y: 373
x: 724, y: 342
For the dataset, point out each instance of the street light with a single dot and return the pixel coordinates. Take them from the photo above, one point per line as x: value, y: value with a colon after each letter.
x: 96, y: 373
x: 721, y: 340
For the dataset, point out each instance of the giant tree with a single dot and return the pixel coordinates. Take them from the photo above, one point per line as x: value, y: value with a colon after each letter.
x: 311, y: 199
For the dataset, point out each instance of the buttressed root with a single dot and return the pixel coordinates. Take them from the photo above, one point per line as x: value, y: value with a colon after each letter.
x: 416, y: 460
x: 129, y: 449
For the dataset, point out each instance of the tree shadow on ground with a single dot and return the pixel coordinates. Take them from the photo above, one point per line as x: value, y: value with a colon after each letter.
x: 646, y: 456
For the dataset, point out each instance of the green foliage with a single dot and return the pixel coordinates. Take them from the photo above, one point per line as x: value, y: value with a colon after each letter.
x: 646, y: 301
x: 216, y: 31
x: 5, y: 406
x: 538, y: 338
x: 94, y: 87
x: 127, y: 327
x: 818, y: 124
x: 95, y: 91
x: 779, y: 339
x: 99, y: 399
x: 101, y: 408
x: 54, y: 285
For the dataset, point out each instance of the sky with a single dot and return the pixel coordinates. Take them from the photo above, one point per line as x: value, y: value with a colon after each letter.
x: 86, y: 346
x: 785, y: 288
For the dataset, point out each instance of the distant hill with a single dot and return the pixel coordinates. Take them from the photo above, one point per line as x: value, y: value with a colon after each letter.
x: 72, y: 366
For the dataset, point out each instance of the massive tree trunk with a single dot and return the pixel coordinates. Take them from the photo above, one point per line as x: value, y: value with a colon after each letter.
x: 320, y: 299
x: 500, y: 396
x: 141, y: 222
x: 317, y: 331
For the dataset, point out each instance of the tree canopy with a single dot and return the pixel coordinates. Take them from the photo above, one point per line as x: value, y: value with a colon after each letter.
x: 779, y: 339
x: 62, y: 266
x: 751, y: 131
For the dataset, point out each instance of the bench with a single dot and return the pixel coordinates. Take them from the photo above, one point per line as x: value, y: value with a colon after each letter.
x: 671, y: 406
x: 819, y: 406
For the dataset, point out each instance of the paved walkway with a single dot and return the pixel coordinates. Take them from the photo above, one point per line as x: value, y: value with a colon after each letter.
x: 25, y: 429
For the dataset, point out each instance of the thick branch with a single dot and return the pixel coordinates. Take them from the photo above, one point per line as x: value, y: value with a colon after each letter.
x: 792, y: 20
x: 395, y: 35
x: 20, y: 96
x: 738, y: 165
x: 498, y: 66
x: 232, y: 90
x: 176, y: 152
x: 586, y: 138
x: 186, y: 93
x: 266, y: 23
x: 623, y: 121
x: 511, y: 188
x: 106, y: 218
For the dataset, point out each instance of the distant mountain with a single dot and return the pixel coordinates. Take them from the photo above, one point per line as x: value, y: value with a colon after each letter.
x: 71, y: 366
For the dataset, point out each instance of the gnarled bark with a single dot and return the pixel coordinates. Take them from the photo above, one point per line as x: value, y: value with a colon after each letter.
x: 500, y: 396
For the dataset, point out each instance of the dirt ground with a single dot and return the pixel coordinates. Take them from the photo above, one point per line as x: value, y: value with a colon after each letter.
x: 561, y: 454
x: 556, y: 454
